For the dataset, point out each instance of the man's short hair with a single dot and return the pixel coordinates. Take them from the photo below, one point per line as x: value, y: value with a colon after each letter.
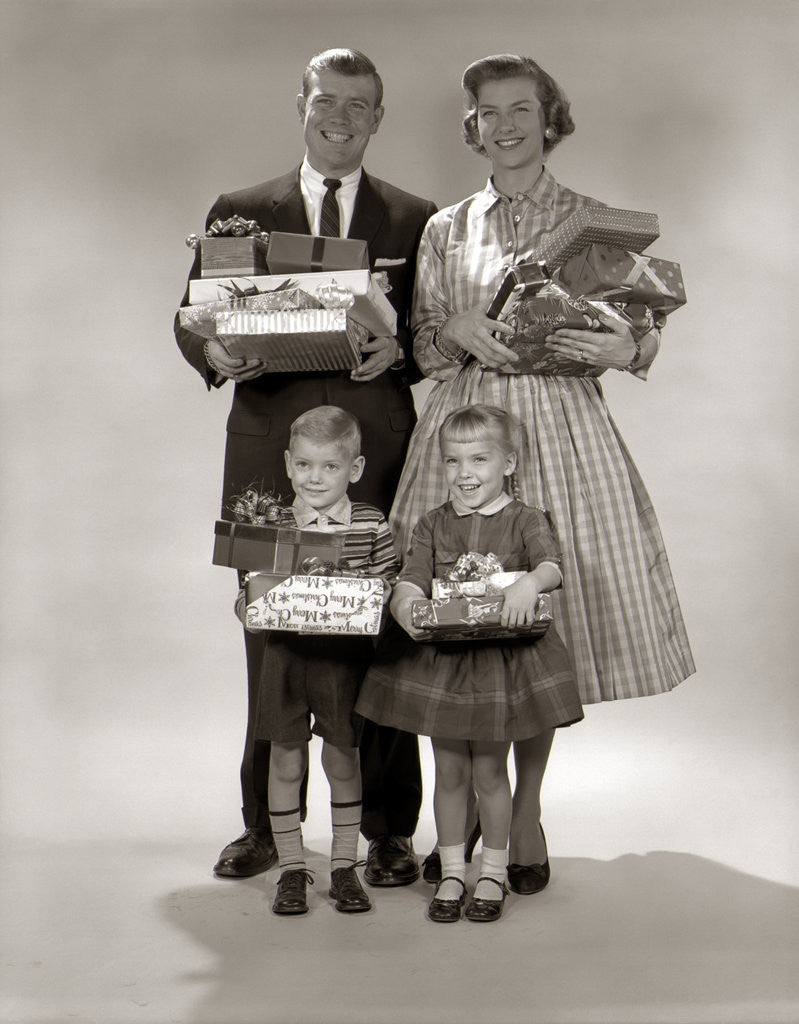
x: 328, y: 424
x: 345, y: 62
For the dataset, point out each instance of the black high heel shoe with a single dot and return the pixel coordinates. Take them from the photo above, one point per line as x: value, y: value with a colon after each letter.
x: 431, y: 865
x: 486, y: 910
x: 447, y: 911
x: 527, y: 879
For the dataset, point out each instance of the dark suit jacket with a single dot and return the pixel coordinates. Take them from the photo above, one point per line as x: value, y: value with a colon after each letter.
x: 391, y: 222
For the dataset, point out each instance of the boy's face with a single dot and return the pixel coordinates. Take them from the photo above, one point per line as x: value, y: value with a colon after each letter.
x: 321, y: 473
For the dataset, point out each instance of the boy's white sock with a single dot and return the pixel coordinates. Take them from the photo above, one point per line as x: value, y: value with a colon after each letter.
x: 493, y: 864
x: 453, y: 865
x: 346, y: 821
x: 287, y: 832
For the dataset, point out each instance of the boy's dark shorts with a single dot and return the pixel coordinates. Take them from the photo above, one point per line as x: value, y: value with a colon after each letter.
x: 304, y: 675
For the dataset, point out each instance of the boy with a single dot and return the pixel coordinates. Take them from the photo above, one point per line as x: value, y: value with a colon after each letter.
x: 304, y: 675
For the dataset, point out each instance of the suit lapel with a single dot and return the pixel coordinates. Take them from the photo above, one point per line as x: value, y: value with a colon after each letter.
x: 368, y: 213
x: 289, y: 211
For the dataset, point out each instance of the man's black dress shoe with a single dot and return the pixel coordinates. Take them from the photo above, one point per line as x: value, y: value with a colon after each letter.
x: 447, y: 911
x: 347, y: 891
x: 250, y: 854
x: 527, y: 879
x: 486, y: 910
x: 290, y: 895
x: 391, y: 861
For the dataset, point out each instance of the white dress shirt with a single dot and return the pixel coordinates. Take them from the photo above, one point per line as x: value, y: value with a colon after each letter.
x: 313, y: 192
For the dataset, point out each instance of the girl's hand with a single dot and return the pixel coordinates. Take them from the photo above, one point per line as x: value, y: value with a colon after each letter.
x: 401, y: 610
x: 521, y: 598
x: 615, y: 348
x: 474, y: 332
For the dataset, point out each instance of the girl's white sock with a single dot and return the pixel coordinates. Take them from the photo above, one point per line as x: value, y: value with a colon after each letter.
x: 453, y: 865
x: 493, y: 864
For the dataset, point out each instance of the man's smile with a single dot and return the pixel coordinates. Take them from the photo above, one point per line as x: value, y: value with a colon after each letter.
x: 338, y: 137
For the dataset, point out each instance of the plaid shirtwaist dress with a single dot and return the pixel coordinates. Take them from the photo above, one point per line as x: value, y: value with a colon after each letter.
x: 618, y: 612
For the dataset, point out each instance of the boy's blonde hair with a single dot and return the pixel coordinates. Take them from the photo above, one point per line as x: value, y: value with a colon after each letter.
x: 328, y: 424
x: 476, y: 422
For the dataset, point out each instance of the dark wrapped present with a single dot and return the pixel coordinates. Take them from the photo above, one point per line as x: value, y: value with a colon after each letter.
x: 293, y: 254
x: 275, y: 549
x: 616, y: 275
x: 625, y: 229
x: 231, y: 247
x: 338, y: 605
x: 474, y: 618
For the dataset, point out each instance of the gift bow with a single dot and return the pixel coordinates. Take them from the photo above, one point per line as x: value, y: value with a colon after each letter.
x: 259, y: 509
x: 474, y: 566
x: 235, y: 225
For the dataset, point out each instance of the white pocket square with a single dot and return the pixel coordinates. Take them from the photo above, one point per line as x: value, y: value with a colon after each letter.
x: 380, y: 262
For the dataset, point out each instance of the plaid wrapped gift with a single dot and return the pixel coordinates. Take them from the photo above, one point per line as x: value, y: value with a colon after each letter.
x: 281, y: 549
x: 224, y: 256
x: 474, y: 618
x: 616, y: 275
x: 625, y: 229
x: 343, y: 605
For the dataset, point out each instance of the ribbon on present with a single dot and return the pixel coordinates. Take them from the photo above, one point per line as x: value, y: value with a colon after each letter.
x: 474, y: 566
x: 258, y: 508
x: 333, y: 296
x: 235, y: 225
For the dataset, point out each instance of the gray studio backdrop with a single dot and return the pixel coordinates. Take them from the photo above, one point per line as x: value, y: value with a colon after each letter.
x: 123, y: 671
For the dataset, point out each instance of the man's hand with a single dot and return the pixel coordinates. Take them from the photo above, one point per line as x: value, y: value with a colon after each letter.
x: 383, y: 352
x: 234, y: 367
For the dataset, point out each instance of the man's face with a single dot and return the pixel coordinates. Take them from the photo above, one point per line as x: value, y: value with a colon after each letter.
x: 339, y: 116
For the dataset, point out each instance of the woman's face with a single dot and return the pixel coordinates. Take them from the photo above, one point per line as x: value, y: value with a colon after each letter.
x: 510, y: 123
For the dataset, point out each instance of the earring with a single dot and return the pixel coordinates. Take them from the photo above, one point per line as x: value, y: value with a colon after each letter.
x: 550, y: 133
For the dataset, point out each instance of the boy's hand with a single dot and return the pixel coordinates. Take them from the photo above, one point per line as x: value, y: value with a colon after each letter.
x: 521, y: 598
x: 241, y: 612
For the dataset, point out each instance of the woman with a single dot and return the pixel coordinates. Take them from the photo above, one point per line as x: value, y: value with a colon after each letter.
x: 618, y: 611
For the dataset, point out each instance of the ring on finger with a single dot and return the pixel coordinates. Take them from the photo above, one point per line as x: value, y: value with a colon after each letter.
x: 580, y: 354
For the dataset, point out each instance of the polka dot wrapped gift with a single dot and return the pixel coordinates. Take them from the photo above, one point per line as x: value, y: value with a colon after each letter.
x: 616, y: 275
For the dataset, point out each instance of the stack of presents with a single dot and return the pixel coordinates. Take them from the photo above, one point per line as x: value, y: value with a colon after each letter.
x: 302, y: 302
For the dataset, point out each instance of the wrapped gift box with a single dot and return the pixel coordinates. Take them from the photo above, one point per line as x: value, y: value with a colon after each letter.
x: 294, y: 340
x: 474, y: 618
x: 201, y: 318
x: 624, y: 229
x: 289, y: 253
x: 280, y: 549
x: 228, y: 255
x: 493, y: 584
x: 524, y: 280
x: 605, y: 272
x: 370, y: 307
x: 553, y: 308
x: 314, y: 604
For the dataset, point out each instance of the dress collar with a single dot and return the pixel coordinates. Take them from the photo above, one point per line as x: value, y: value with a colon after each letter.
x: 339, y: 515
x: 542, y: 193
x: 485, y: 510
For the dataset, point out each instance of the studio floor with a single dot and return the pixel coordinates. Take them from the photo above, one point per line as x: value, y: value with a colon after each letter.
x: 103, y: 932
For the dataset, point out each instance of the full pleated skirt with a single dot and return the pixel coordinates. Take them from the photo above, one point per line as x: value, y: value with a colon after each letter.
x: 618, y: 612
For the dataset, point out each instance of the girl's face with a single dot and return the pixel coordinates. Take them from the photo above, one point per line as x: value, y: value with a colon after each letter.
x: 476, y: 470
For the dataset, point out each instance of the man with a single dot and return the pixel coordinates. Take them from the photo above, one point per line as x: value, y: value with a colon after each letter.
x: 340, y: 108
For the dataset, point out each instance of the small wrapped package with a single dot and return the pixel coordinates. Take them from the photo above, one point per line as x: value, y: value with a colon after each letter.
x: 551, y: 309
x: 473, y: 618
x: 624, y: 229
x: 338, y: 605
x: 616, y: 275
x: 232, y: 246
x: 492, y: 584
x: 201, y: 318
x: 276, y: 549
x: 294, y: 340
x: 289, y: 253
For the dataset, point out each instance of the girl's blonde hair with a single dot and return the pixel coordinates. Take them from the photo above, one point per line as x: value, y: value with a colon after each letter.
x: 478, y: 422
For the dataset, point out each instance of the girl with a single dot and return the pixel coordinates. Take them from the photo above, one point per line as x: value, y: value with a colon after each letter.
x: 474, y: 699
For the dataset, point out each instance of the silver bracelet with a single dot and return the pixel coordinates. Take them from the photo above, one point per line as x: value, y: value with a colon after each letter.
x: 636, y: 356
x: 459, y: 356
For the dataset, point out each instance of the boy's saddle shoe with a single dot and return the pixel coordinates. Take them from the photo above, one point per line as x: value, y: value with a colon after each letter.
x: 291, y: 889
x: 347, y: 891
x: 250, y: 854
x: 391, y: 861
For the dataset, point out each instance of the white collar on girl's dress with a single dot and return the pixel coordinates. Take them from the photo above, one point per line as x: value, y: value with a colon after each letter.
x: 498, y: 503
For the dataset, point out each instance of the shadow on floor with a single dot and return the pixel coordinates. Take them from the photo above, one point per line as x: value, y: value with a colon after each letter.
x: 656, y: 938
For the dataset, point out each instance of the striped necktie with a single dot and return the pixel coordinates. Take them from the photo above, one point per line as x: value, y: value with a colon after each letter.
x: 329, y: 223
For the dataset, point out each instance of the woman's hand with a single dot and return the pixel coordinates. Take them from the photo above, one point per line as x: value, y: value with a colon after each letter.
x: 614, y: 348
x: 521, y: 598
x: 474, y: 332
